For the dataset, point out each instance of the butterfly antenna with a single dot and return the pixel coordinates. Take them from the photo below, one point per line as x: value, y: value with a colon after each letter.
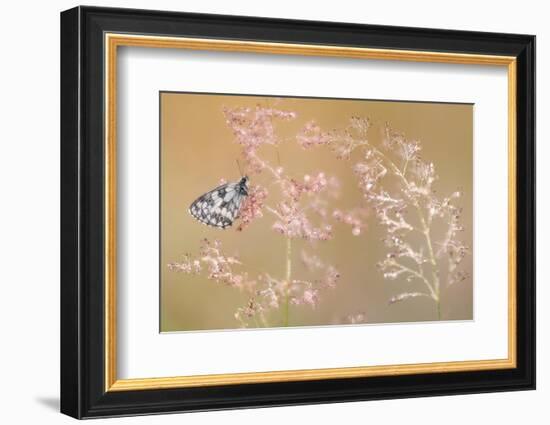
x: 239, y: 167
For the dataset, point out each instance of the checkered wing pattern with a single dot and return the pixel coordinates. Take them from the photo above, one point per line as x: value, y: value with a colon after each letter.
x: 221, y: 206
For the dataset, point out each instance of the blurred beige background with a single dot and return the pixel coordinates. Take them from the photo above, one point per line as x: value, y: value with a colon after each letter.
x: 197, y: 150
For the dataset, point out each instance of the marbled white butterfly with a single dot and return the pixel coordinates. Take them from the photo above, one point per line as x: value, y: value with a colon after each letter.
x: 221, y: 206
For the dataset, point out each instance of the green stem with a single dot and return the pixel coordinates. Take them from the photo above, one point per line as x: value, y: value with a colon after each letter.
x: 420, y: 276
x: 287, y: 279
x: 405, y: 168
x: 435, y: 277
x: 257, y: 325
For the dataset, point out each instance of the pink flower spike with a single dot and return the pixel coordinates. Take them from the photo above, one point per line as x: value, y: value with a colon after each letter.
x: 252, y: 206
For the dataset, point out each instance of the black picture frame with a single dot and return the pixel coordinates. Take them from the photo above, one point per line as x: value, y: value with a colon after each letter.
x: 83, y: 392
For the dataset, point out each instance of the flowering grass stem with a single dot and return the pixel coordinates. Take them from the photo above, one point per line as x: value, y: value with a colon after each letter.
x: 287, y: 279
x: 434, y: 287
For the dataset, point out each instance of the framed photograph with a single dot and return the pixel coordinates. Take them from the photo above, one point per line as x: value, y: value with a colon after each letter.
x: 261, y: 212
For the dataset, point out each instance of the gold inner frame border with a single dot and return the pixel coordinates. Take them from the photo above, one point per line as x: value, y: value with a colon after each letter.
x: 113, y: 40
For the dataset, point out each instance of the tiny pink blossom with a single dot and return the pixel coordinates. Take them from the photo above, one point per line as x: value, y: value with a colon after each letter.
x: 312, y: 135
x: 252, y: 128
x: 252, y: 206
x: 355, y: 218
x: 311, y: 296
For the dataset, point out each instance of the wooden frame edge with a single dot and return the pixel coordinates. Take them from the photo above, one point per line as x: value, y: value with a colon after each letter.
x: 306, y: 375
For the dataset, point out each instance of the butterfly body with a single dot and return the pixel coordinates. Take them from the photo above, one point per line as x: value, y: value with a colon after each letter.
x: 220, y: 207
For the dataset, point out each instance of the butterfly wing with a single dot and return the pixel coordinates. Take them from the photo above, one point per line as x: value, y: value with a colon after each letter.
x: 219, y: 207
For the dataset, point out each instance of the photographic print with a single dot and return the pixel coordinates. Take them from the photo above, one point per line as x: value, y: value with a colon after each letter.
x: 287, y: 211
